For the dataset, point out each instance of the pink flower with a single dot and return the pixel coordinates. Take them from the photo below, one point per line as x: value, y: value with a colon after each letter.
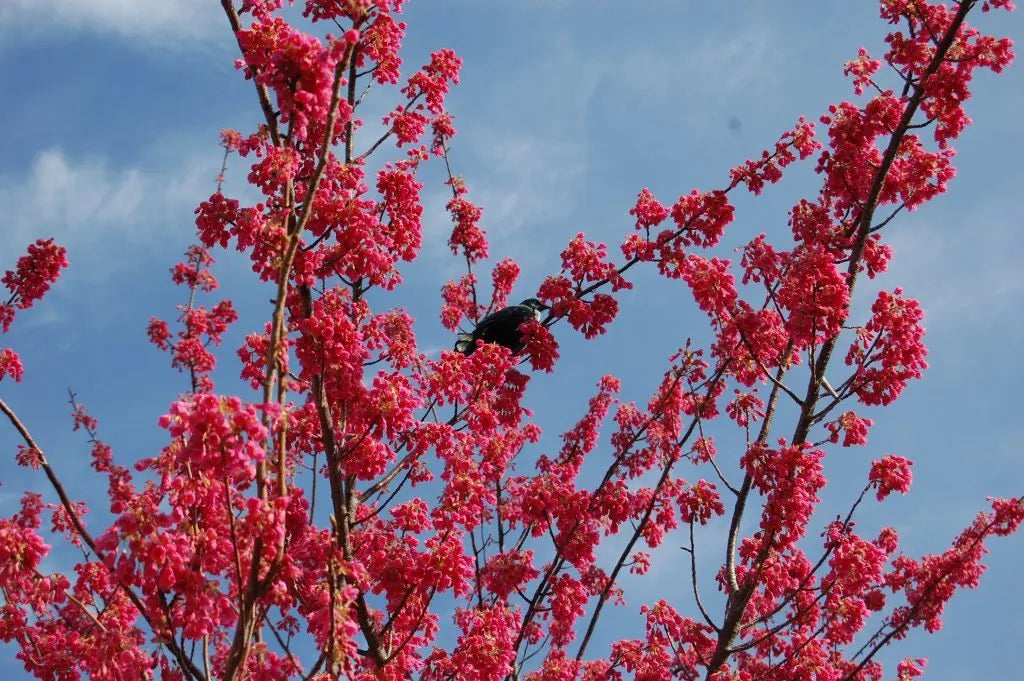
x: 648, y: 211
x: 853, y: 427
x: 10, y: 365
x: 889, y: 350
x: 909, y: 669
x: 33, y: 275
x: 891, y: 474
x: 507, y: 572
x: 467, y: 235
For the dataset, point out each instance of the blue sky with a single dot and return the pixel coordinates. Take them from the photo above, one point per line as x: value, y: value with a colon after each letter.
x: 565, y: 111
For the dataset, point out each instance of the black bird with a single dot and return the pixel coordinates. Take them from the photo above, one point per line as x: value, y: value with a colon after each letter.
x: 502, y: 327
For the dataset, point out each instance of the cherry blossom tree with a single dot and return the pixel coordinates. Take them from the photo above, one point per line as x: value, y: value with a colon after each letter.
x: 324, y: 526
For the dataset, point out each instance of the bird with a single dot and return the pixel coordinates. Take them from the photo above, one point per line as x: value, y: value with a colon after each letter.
x: 502, y: 327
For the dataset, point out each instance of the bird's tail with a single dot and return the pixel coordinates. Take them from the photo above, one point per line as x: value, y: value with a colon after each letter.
x: 465, y: 344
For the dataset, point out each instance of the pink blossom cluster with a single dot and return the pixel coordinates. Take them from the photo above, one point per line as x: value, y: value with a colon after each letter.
x: 29, y: 281
x: 201, y: 328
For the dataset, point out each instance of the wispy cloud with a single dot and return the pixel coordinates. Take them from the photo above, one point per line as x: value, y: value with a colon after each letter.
x: 534, y: 160
x: 722, y: 66
x: 94, y: 208
x: 962, y: 279
x: 533, y: 180
x: 180, y: 21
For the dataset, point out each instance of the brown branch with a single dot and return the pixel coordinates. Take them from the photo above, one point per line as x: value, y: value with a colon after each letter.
x: 739, y: 596
x: 806, y: 579
x: 638, y: 530
x: 558, y: 559
x: 915, y: 608
x: 693, y: 578
x: 738, y: 601
x: 777, y: 382
x: 187, y: 666
x: 391, y: 131
x: 261, y: 90
x: 412, y: 631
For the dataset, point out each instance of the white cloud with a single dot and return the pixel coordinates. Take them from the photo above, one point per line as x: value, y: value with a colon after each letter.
x: 73, y: 197
x: 162, y: 22
x: 534, y: 180
x: 723, y: 64
x: 962, y: 279
x: 94, y: 209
